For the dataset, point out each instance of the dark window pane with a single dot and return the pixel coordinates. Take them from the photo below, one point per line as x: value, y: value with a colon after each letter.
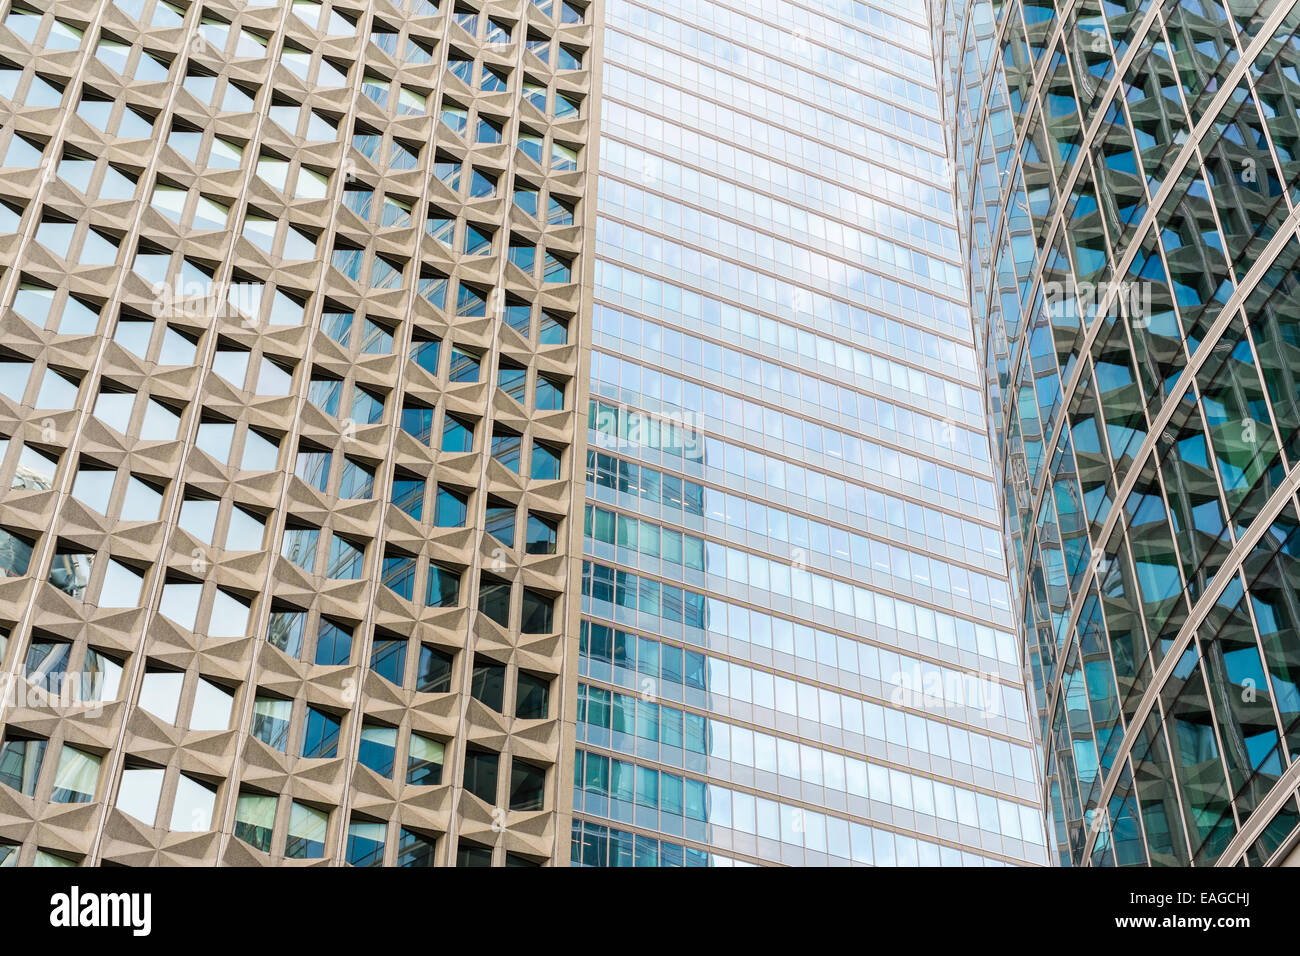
x: 388, y: 659
x: 471, y: 854
x: 321, y: 736
x: 408, y: 496
x: 553, y: 331
x: 546, y: 463
x: 527, y: 786
x: 538, y: 612
x: 398, y: 576
x: 487, y: 683
x: 481, y: 775
x: 532, y: 696
x: 464, y: 367
x: 514, y: 382
x: 500, y: 523
x: 457, y: 435
x: 450, y: 508
x: 541, y: 535
x: 20, y: 764
x: 550, y: 395
x: 444, y: 587
x: 333, y: 644
x: 494, y: 599
x: 417, y: 421
x: 47, y: 663
x: 518, y: 314
x: 505, y: 449
x: 425, y: 354
x: 434, y: 675
x: 414, y: 849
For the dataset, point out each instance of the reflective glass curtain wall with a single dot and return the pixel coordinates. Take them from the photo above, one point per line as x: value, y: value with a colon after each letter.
x: 1127, y: 184
x: 797, y: 636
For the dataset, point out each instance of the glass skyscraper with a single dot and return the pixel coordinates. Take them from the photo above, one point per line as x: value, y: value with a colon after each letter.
x: 1127, y: 181
x: 495, y: 432
x: 797, y: 637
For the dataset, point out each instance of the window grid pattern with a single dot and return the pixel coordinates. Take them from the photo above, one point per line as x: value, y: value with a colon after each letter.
x: 225, y: 312
x: 779, y: 339
x: 1127, y: 191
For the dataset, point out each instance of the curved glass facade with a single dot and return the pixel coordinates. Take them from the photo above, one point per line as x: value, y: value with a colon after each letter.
x: 1127, y: 183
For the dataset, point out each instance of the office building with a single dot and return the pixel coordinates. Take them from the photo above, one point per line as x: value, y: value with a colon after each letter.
x: 1126, y: 178
x: 797, y: 640
x: 288, y: 405
x: 509, y: 432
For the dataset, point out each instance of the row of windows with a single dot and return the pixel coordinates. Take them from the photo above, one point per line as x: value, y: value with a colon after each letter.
x: 404, y: 154
x: 624, y: 790
x: 755, y: 629
x: 367, y: 408
x: 718, y: 138
x: 109, y: 116
x: 121, y: 584
x: 679, y: 497
x: 497, y: 31
x: 663, y: 54
x: 218, y: 33
x: 701, y: 680
x: 306, y: 829
x: 54, y: 671
x: 818, y: 769
x: 596, y: 845
x: 686, y: 678
x: 139, y: 499
x: 762, y: 219
x: 69, y: 315
x: 661, y: 550
x: 477, y: 239
x: 457, y: 437
x: 161, y: 422
x: 628, y: 336
x: 681, y: 305
x: 77, y: 774
x: 365, y: 843
x: 193, y: 292
x: 287, y: 241
x: 851, y: 76
x: 939, y: 630
x: 629, y: 431
x: 367, y: 839
x: 654, y: 487
x: 773, y: 22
